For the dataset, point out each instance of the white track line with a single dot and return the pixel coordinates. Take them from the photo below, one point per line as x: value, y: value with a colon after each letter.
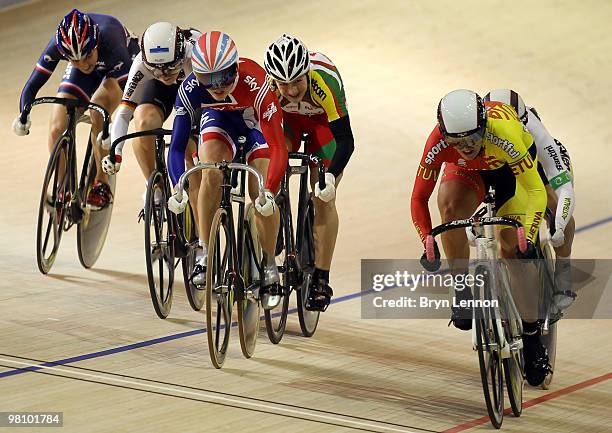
x: 305, y: 414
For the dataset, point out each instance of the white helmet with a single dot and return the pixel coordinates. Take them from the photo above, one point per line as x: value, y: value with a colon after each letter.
x: 509, y: 97
x: 162, y: 46
x: 286, y: 59
x: 461, y: 113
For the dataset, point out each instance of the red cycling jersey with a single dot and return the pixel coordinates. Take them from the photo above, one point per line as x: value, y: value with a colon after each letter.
x: 436, y: 152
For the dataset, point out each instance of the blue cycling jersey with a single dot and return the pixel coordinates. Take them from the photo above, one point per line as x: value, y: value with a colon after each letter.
x: 114, y: 56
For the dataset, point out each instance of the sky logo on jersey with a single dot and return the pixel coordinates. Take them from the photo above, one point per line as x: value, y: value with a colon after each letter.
x: 503, y: 144
x: 159, y: 49
x: 191, y: 84
x: 437, y: 148
x: 252, y: 82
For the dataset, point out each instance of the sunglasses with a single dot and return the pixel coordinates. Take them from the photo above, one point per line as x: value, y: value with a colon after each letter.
x: 218, y: 80
x: 164, y: 69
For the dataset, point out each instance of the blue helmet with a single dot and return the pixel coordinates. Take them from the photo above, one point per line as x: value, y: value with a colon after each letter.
x: 76, y: 36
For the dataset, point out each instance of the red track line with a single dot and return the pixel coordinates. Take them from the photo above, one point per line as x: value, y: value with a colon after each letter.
x: 552, y: 395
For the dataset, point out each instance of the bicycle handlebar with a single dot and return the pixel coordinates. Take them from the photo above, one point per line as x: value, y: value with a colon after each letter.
x: 315, y: 160
x: 474, y: 222
x: 68, y: 103
x: 157, y: 132
x: 180, y: 186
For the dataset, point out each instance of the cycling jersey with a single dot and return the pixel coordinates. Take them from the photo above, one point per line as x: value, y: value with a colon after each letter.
x: 324, y: 104
x: 505, y: 142
x: 557, y: 167
x: 115, y: 53
x: 135, y: 89
x: 252, y: 97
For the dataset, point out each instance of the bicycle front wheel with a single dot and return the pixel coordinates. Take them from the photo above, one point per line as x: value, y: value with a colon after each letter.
x: 195, y: 296
x: 489, y: 351
x: 249, y: 309
x: 305, y: 244
x: 219, y: 297
x: 159, y: 245
x: 54, y: 205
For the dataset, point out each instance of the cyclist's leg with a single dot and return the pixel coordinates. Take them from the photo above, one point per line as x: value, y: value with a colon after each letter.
x: 460, y: 193
x: 74, y: 85
x: 563, y: 277
x: 257, y: 153
x: 321, y: 143
x: 196, y: 178
x: 108, y: 95
x: 524, y: 279
x: 216, y: 144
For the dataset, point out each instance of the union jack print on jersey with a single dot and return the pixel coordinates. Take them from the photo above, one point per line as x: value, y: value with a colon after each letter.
x: 214, y: 52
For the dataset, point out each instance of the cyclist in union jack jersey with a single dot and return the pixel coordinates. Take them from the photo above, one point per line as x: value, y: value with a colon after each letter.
x: 236, y: 100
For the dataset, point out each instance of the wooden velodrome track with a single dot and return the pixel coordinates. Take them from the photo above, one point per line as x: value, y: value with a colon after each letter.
x: 123, y: 369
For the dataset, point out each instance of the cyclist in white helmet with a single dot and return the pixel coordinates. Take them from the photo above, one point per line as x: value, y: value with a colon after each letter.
x: 156, y: 73
x: 311, y: 93
x: 555, y: 169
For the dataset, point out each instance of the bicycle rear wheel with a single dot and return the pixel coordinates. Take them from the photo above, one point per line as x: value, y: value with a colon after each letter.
x: 550, y: 342
x: 305, y: 244
x: 93, y: 226
x: 550, y: 339
x: 159, y: 246
x: 219, y: 296
x: 53, y: 207
x: 249, y: 309
x: 489, y: 352
x: 195, y: 296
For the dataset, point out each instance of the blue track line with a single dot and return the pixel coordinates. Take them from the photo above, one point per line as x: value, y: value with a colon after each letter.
x: 159, y: 340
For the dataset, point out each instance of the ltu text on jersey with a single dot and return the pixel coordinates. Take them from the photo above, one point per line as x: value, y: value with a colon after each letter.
x: 503, y: 144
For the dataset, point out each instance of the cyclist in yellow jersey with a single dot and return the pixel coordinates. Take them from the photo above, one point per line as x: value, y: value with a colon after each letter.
x: 311, y: 94
x: 491, y: 139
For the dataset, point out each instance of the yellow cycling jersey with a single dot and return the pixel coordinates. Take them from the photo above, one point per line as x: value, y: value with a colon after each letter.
x: 506, y: 141
x: 326, y: 91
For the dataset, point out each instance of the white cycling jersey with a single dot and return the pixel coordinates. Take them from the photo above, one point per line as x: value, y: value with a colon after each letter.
x: 555, y: 161
x: 135, y: 85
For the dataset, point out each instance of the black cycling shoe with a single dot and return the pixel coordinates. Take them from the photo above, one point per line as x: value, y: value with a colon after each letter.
x: 319, y: 296
x: 461, y: 317
x: 537, y: 365
x: 198, y: 276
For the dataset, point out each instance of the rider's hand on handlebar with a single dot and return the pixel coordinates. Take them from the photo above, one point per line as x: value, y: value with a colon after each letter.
x: 431, y: 266
x: 108, y: 167
x: 557, y: 239
x: 529, y: 254
x: 329, y: 192
x: 21, y: 129
x: 178, y: 206
x: 267, y: 208
x: 104, y: 143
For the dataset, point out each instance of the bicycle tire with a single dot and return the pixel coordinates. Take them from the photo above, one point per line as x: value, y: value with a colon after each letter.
x: 56, y: 211
x: 489, y: 355
x: 306, y: 250
x: 276, y: 318
x: 219, y: 297
x: 249, y: 308
x: 159, y: 248
x: 550, y: 339
x: 92, y: 228
x: 195, y: 296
